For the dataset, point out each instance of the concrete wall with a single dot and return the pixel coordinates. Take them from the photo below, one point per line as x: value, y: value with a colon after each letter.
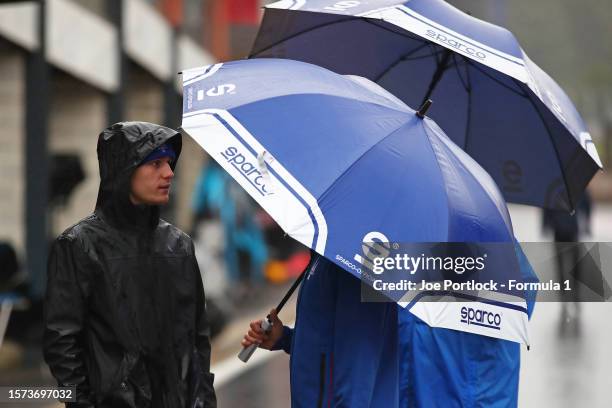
x: 77, y: 115
x: 12, y: 138
x: 78, y: 106
x: 187, y: 172
x: 97, y: 7
x: 143, y: 96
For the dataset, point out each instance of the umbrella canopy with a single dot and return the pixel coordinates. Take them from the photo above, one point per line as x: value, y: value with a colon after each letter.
x: 339, y: 163
x: 490, y: 98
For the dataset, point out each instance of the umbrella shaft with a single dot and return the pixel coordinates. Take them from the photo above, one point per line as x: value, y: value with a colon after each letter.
x: 442, y: 65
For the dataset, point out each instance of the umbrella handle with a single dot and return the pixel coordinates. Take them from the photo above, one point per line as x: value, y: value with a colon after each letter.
x: 247, y: 352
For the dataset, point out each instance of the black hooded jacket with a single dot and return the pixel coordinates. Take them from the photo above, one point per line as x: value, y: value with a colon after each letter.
x: 125, y: 320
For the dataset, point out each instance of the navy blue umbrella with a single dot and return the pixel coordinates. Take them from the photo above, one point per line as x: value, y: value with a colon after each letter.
x: 490, y: 98
x: 347, y: 169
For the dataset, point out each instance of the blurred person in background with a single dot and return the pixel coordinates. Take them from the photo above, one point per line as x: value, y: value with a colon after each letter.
x: 217, y: 199
x: 229, y: 243
x: 567, y: 229
x: 125, y: 321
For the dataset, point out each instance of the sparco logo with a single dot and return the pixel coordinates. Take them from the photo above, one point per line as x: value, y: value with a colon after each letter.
x: 458, y: 45
x: 247, y: 170
x: 374, y: 244
x: 480, y: 318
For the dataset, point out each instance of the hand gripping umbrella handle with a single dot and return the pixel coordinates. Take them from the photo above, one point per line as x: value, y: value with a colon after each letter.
x: 266, y: 324
x: 247, y: 352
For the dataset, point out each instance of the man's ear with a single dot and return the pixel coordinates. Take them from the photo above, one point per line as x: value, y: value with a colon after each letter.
x: 133, y: 199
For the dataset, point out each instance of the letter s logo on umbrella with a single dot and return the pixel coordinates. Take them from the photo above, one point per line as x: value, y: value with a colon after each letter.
x: 217, y: 91
x: 342, y: 5
x: 374, y: 244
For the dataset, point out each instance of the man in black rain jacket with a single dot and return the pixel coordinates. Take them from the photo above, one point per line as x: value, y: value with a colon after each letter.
x: 125, y: 321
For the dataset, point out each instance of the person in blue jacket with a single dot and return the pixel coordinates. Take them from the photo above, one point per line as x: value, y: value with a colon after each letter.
x: 343, y: 352
x: 447, y: 368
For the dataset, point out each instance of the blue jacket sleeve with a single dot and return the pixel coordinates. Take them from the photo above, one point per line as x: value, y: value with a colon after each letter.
x: 284, y: 343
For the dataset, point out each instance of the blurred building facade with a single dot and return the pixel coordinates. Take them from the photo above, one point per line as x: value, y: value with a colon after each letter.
x: 69, y: 68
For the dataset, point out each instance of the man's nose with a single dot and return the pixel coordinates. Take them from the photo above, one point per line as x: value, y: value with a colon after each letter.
x: 167, y: 171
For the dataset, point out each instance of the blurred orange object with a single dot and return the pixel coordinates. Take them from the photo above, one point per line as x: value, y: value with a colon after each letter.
x: 276, y: 271
x: 279, y: 272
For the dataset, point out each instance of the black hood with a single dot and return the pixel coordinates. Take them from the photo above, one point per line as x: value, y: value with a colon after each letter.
x: 121, y: 148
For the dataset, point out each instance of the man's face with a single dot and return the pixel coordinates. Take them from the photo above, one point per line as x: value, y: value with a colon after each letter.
x: 151, y: 182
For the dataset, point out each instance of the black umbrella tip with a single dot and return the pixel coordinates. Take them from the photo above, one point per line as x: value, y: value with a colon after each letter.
x: 424, y: 108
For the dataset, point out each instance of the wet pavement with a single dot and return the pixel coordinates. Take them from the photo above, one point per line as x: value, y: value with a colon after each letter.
x: 568, y: 365
x: 265, y: 385
x: 568, y: 370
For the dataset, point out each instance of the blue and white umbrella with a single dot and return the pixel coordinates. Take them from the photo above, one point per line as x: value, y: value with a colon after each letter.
x: 490, y: 98
x: 340, y: 163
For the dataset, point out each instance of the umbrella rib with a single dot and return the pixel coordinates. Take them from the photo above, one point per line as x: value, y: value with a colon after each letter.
x: 437, y: 76
x: 400, y: 59
x: 463, y: 82
x: 523, y: 94
x: 469, y: 109
x: 435, y: 54
x: 550, y: 136
x: 402, y: 34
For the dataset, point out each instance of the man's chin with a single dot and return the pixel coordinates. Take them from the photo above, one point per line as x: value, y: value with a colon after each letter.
x: 158, y: 200
x: 163, y: 200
